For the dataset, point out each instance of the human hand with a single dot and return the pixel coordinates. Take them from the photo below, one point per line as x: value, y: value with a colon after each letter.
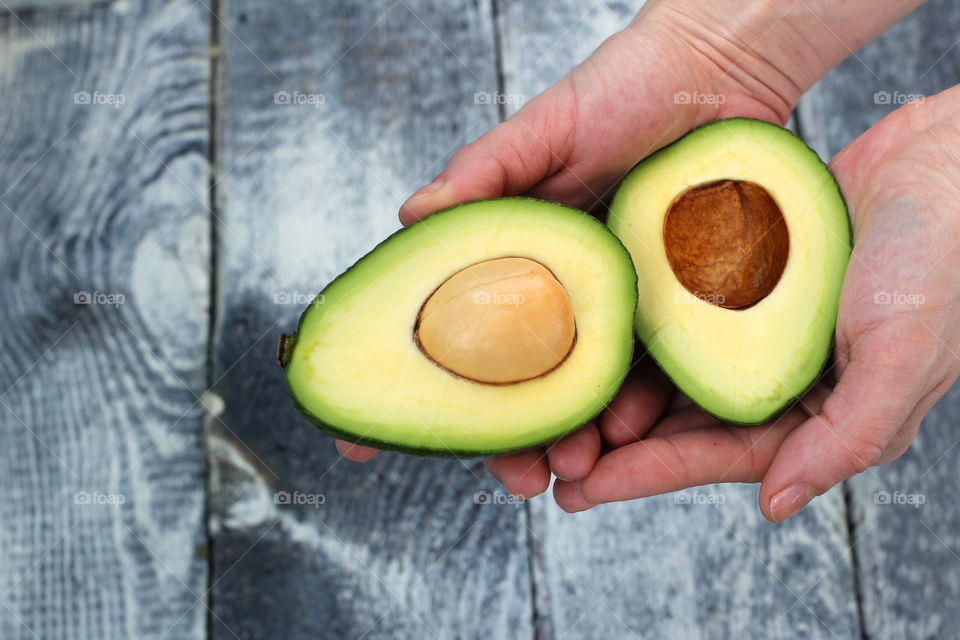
x: 897, y: 346
x: 573, y: 144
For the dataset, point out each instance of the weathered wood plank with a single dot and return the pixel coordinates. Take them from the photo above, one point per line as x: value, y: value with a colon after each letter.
x: 908, y: 556
x: 539, y: 46
x: 661, y: 567
x: 103, y: 175
x: 33, y: 5
x: 331, y: 115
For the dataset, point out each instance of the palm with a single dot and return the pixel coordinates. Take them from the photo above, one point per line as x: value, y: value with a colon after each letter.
x: 572, y: 144
x: 895, y: 355
x: 898, y: 305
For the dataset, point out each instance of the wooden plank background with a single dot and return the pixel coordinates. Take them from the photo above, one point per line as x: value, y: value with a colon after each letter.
x: 104, y: 271
x: 317, y: 120
x: 657, y: 567
x: 908, y: 557
x: 399, y: 549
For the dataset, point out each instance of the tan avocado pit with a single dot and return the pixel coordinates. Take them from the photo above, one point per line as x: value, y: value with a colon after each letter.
x: 499, y: 321
x: 726, y: 242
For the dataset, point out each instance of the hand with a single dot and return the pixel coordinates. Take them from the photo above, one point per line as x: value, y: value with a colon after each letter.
x: 897, y: 345
x: 573, y: 144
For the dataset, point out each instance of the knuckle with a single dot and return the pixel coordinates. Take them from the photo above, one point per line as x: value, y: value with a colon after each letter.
x: 679, y: 464
x: 755, y: 467
x: 862, y: 454
x: 895, y: 451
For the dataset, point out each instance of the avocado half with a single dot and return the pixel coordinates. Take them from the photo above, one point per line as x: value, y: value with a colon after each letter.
x: 489, y: 327
x: 740, y: 238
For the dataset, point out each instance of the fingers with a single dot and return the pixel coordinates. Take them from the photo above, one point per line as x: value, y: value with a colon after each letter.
x: 678, y: 401
x: 567, y: 490
x: 355, y: 452
x: 722, y: 453
x: 524, y: 474
x: 507, y: 160
x: 875, y: 396
x: 527, y: 474
x: 688, y: 419
x: 573, y: 456
x: 636, y: 407
x: 569, y: 496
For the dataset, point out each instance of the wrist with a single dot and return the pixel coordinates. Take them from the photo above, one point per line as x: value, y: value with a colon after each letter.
x: 758, y: 58
x: 727, y: 77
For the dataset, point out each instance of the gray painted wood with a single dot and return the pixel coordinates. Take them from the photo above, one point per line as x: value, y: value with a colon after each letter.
x: 101, y: 467
x: 32, y: 5
x: 908, y: 556
x: 103, y: 402
x: 695, y: 564
x: 539, y: 46
x: 659, y: 567
x: 398, y: 549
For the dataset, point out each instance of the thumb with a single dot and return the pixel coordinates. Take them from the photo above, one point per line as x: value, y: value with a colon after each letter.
x: 507, y: 160
x: 575, y: 140
x: 876, y: 394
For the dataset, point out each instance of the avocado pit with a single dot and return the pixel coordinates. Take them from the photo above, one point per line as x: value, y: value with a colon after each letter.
x: 727, y: 242
x: 498, y: 321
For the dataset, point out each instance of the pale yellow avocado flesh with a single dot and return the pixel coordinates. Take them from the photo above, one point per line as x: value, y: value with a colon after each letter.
x: 742, y: 365
x: 356, y: 370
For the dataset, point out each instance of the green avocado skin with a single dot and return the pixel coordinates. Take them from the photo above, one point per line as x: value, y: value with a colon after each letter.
x: 414, y: 451
x: 823, y: 357
x: 776, y: 413
x: 288, y: 345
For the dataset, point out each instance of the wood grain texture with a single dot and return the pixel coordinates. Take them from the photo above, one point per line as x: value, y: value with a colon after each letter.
x: 908, y: 556
x: 102, y: 179
x: 540, y: 46
x: 34, y: 5
x: 664, y: 567
x: 331, y: 115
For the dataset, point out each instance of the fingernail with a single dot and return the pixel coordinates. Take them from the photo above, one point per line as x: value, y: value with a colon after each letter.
x: 427, y: 190
x: 790, y: 500
x: 407, y: 213
x: 569, y: 497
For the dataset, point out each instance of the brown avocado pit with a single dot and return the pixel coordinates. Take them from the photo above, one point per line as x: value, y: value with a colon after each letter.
x: 498, y: 321
x: 726, y: 242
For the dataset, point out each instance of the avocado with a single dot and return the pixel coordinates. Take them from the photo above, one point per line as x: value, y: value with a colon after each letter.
x: 740, y: 238
x: 489, y: 327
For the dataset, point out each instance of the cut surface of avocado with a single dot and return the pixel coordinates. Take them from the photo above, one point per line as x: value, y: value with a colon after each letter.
x: 490, y: 327
x: 740, y: 238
